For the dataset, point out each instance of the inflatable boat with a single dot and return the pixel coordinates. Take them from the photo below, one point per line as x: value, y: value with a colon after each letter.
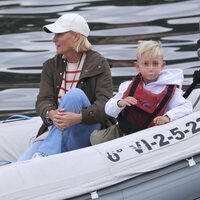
x: 161, y: 162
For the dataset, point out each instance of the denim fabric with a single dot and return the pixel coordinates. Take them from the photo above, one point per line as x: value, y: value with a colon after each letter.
x: 28, y: 154
x: 72, y: 138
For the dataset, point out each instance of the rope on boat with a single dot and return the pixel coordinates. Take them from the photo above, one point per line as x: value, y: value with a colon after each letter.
x: 15, y: 118
x: 196, y: 102
x: 4, y: 162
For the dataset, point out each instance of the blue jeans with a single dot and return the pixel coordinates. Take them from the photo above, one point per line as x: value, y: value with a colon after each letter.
x: 71, y: 138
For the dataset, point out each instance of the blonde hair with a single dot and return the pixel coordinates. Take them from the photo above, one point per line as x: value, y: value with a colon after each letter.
x: 82, y: 44
x: 154, y: 48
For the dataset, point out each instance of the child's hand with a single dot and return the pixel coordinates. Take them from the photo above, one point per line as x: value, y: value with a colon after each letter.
x: 128, y: 101
x: 161, y: 120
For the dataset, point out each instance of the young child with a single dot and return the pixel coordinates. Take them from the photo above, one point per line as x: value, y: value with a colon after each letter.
x: 153, y: 97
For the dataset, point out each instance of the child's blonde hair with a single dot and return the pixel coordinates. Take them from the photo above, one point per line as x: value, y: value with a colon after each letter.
x: 82, y: 44
x: 154, y: 48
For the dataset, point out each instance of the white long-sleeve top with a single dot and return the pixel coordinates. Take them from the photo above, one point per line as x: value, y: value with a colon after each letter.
x: 178, y: 105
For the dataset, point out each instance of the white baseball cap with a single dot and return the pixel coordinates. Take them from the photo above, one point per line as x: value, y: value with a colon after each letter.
x: 69, y: 22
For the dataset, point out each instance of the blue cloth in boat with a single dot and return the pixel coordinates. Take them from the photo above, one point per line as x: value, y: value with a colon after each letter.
x: 71, y: 138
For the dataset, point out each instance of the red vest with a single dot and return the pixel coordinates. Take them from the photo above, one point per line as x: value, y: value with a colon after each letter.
x: 149, y: 105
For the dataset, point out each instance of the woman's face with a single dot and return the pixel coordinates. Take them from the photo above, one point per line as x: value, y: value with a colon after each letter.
x: 64, y: 42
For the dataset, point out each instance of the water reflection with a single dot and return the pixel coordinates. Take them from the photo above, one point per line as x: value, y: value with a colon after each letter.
x: 130, y: 31
x: 116, y: 26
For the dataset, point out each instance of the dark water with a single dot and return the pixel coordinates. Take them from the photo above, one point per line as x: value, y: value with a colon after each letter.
x: 116, y: 26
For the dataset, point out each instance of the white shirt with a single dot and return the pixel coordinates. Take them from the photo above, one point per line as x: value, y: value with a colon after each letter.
x: 178, y: 105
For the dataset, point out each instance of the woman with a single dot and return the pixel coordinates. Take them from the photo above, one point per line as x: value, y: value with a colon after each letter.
x: 74, y: 87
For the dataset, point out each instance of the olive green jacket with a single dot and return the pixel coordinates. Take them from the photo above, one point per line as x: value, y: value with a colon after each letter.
x: 95, y: 80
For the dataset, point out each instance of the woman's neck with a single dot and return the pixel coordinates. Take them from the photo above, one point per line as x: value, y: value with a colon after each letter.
x: 73, y: 57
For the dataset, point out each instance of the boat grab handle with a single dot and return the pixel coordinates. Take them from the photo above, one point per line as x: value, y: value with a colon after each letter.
x: 94, y: 195
x: 191, y: 161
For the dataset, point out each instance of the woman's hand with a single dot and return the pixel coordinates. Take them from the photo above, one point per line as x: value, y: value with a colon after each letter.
x: 128, y: 101
x: 160, y: 120
x: 62, y: 119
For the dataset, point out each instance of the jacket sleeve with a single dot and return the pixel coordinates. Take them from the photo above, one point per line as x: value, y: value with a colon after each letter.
x: 178, y: 106
x: 111, y: 107
x: 46, y: 99
x: 103, y: 91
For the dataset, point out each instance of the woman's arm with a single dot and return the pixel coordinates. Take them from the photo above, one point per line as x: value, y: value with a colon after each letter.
x: 103, y: 91
x: 46, y: 99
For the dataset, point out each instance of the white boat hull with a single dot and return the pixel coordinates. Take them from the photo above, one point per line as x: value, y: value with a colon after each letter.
x: 133, y: 167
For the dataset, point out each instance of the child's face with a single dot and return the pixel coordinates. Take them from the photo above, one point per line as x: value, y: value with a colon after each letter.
x: 149, y: 67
